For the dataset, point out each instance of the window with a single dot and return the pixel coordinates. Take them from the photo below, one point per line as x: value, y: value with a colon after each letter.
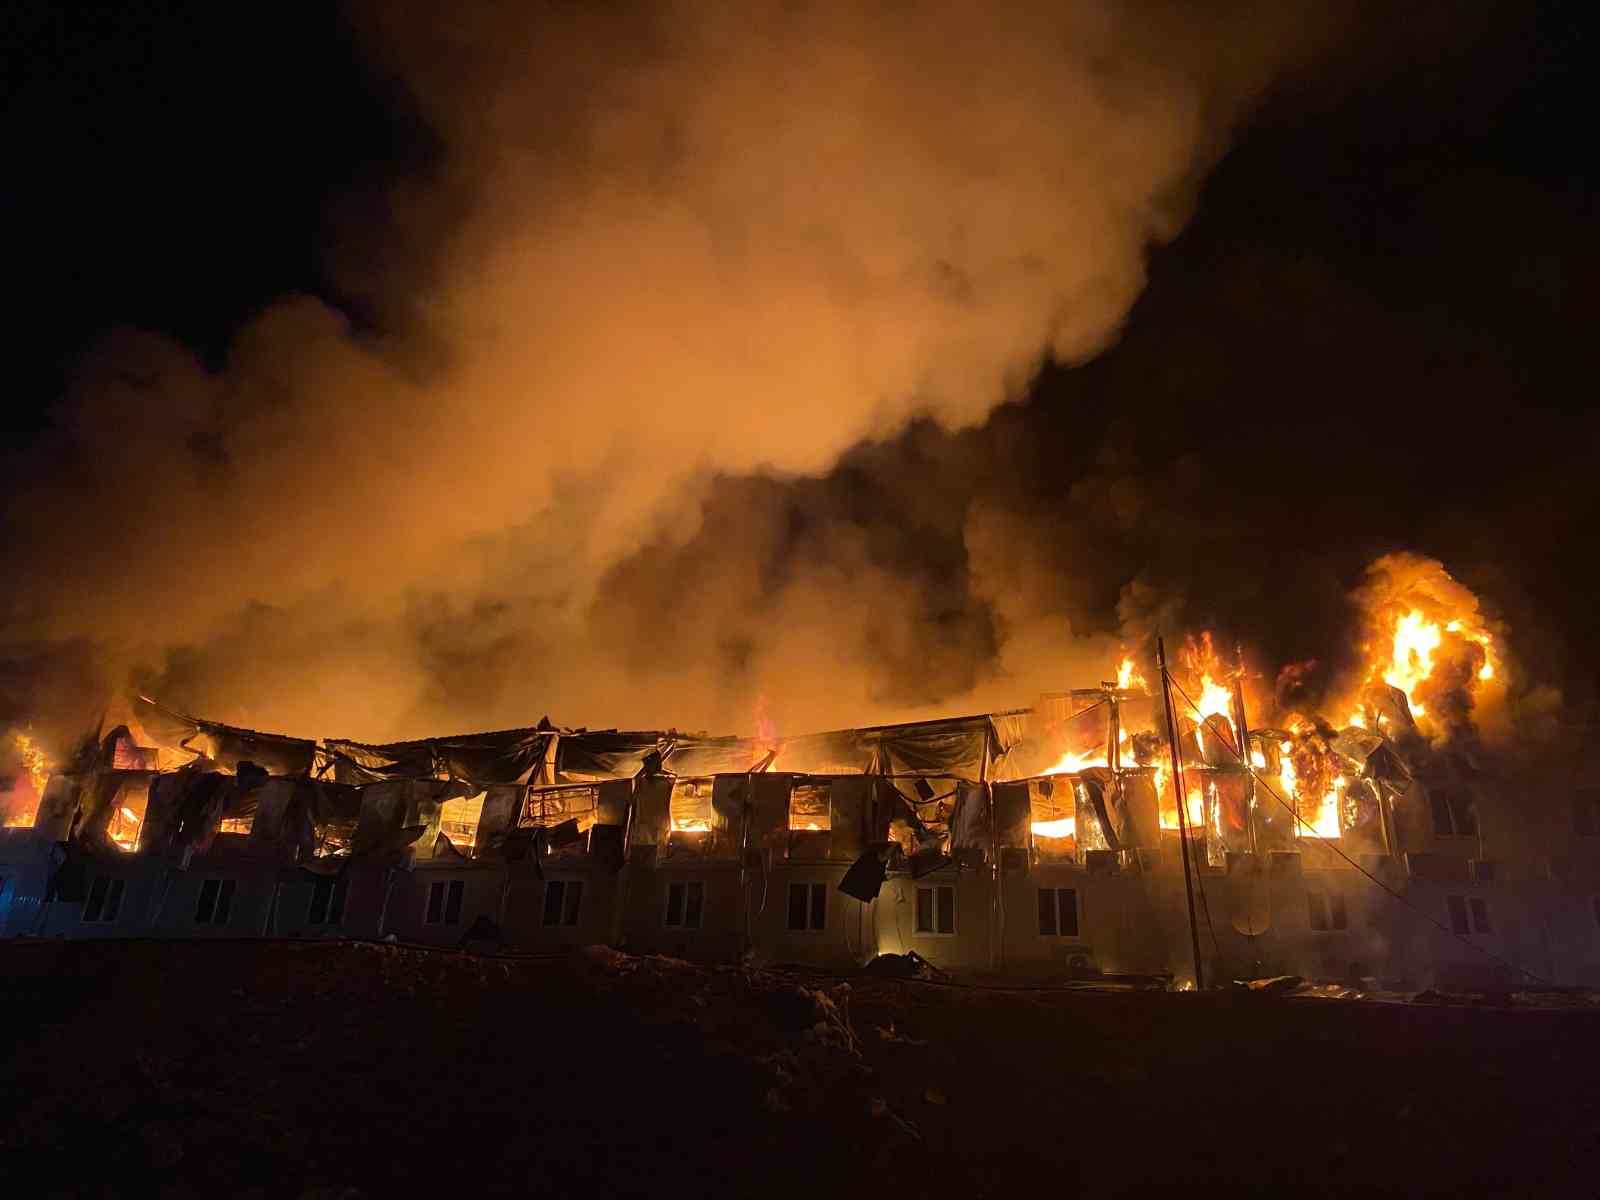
x: 1452, y: 813
x: 236, y: 824
x: 936, y: 910
x: 1586, y: 811
x: 327, y: 902
x: 690, y: 806
x: 127, y: 815
x: 216, y: 902
x: 444, y: 902
x: 563, y: 901
x: 104, y: 901
x: 808, y: 906
x: 1480, y: 915
x: 458, y: 821
x: 552, y: 806
x: 686, y: 904
x: 1327, y: 912
x: 1053, y: 809
x: 811, y: 807
x: 1058, y: 912
x: 1460, y: 909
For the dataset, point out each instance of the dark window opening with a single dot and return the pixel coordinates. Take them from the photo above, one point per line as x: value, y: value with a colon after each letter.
x: 808, y: 906
x: 1317, y: 911
x: 1327, y: 912
x: 444, y: 902
x: 1458, y: 915
x: 1058, y: 912
x: 215, y: 904
x: 1586, y: 811
x: 327, y: 902
x: 685, y: 905
x: 563, y: 901
x: 1480, y: 915
x: 1453, y: 813
x: 104, y: 900
x: 936, y: 910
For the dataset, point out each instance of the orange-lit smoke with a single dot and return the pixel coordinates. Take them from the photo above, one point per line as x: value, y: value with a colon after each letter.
x: 659, y: 244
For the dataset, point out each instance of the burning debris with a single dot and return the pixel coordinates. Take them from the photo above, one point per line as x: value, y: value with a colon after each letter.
x: 742, y: 845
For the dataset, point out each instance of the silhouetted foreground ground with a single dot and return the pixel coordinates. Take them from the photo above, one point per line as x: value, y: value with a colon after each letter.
x: 237, y: 1068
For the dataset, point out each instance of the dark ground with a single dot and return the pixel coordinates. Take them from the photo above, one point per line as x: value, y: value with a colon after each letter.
x: 242, y: 1068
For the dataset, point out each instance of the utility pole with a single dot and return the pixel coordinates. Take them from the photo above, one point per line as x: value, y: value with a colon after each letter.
x: 1183, y: 805
x: 1242, y: 730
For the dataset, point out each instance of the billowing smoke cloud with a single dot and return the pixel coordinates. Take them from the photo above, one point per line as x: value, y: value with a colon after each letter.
x: 669, y: 261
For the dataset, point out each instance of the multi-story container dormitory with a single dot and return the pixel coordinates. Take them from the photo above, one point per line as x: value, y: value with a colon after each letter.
x: 1028, y: 842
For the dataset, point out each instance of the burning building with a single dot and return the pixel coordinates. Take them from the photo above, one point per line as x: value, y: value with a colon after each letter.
x: 1072, y: 837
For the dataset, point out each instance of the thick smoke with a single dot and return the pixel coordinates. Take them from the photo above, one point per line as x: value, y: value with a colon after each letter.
x: 660, y: 246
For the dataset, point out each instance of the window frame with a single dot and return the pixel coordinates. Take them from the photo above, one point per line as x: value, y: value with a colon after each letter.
x: 1478, y: 908
x: 1327, y: 912
x: 1440, y: 801
x: 1586, y: 812
x: 813, y: 784
x: 1469, y: 915
x: 568, y: 909
x: 935, y: 892
x: 218, y: 911
x: 333, y: 905
x: 1058, y: 931
x: 686, y: 889
x: 447, y: 912
x: 108, y: 906
x: 815, y: 905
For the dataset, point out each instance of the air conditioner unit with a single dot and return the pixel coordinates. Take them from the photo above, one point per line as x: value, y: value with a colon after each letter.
x: 1078, y: 959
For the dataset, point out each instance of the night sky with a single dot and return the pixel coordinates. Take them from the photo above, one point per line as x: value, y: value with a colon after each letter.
x: 1373, y: 335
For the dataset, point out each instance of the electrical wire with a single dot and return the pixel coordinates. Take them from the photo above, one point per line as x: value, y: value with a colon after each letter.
x: 1394, y: 895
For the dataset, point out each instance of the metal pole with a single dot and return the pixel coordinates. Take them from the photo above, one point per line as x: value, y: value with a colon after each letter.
x: 1183, y: 804
x: 1243, y: 732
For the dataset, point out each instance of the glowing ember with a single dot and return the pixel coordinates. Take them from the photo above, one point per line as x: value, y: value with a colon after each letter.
x: 690, y: 825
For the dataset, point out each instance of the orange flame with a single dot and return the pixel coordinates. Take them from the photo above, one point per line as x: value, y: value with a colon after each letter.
x: 37, y: 765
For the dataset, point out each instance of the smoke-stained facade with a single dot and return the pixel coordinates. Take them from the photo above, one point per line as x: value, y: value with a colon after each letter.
x: 1039, y: 841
